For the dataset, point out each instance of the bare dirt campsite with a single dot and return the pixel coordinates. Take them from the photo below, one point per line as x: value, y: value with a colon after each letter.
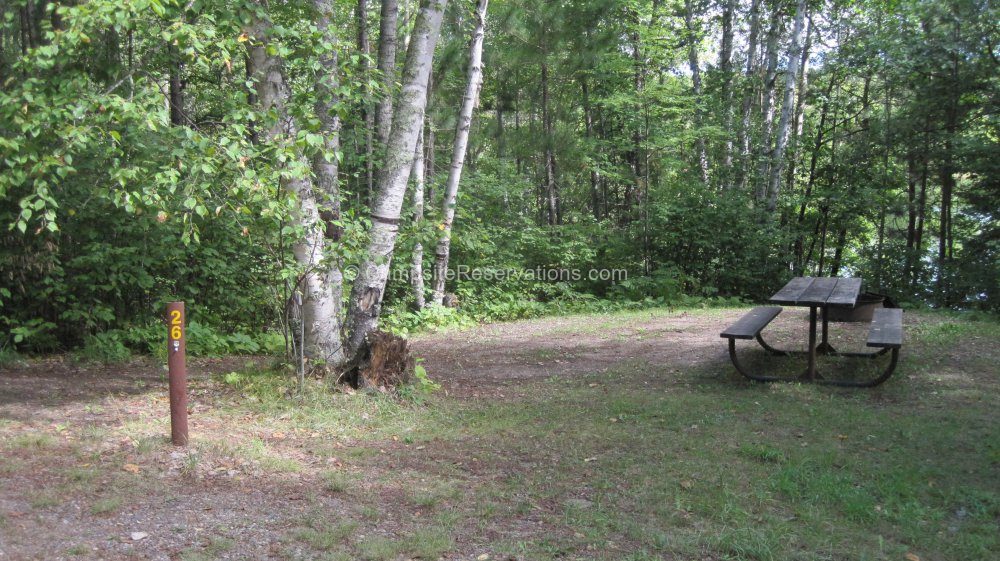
x: 624, y: 436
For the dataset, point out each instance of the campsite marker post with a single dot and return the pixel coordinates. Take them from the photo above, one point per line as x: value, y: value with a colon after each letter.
x: 178, y: 373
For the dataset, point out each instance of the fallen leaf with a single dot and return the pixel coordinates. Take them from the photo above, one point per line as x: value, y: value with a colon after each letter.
x: 483, y: 557
x: 131, y: 468
x: 911, y: 557
x: 278, y: 435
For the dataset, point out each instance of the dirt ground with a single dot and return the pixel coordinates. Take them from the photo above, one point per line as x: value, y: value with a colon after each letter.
x: 76, y: 483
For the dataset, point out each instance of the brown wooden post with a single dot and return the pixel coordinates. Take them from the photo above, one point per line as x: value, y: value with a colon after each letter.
x: 178, y: 373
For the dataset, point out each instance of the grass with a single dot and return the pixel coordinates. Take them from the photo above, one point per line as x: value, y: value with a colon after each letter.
x: 637, y: 460
x: 325, y: 535
x: 210, y: 550
x: 78, y: 550
x: 32, y: 441
x: 106, y: 505
x: 336, y: 481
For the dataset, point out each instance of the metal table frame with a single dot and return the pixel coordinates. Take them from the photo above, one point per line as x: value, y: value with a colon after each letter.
x: 818, y: 294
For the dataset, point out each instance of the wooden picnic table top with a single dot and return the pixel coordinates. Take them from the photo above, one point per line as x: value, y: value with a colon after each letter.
x: 819, y: 291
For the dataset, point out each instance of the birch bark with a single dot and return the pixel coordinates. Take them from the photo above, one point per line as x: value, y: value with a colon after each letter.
x: 767, y: 109
x: 469, y: 102
x: 321, y: 304
x: 787, y: 104
x: 387, y: 69
x: 417, y: 266
x: 369, y: 286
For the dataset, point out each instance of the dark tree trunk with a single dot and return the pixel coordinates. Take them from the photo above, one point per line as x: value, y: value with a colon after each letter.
x: 595, y: 179
x: 551, y: 191
x: 176, y: 93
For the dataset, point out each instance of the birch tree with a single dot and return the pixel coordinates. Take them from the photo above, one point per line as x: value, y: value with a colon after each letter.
x: 726, y: 68
x: 320, y: 280
x: 458, y: 152
x: 787, y: 105
x: 749, y: 72
x: 417, y: 266
x: 369, y: 286
x: 387, y: 68
x: 768, y: 105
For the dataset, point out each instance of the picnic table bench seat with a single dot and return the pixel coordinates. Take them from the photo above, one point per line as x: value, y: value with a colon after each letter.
x: 887, y: 328
x: 751, y: 324
x: 886, y: 334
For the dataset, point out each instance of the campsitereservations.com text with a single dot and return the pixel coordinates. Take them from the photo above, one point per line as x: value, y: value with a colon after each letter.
x: 466, y: 273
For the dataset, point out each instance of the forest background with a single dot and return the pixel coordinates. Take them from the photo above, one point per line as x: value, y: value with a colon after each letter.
x: 229, y: 153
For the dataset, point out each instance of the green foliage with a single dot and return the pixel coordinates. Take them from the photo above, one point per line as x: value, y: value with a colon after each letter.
x: 106, y: 347
x: 112, y: 205
x: 420, y: 387
x: 9, y: 358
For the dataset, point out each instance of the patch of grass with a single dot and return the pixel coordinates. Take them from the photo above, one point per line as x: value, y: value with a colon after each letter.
x: 106, y: 505
x: 78, y: 550
x: 32, y: 440
x: 147, y: 444
x: 194, y: 554
x: 210, y: 550
x: 432, y: 495
x: 325, y: 536
x: 257, y: 450
x: 45, y: 499
x: 751, y: 544
x: 429, y: 542
x: 83, y: 474
x: 379, y: 548
x: 762, y: 453
x: 10, y: 465
x: 253, y: 450
x: 336, y: 481
x: 94, y: 432
x: 93, y: 408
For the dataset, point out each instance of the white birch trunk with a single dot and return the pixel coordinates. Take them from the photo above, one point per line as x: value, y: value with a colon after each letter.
x: 726, y: 67
x: 417, y: 267
x: 369, y: 286
x: 749, y: 72
x: 770, y: 86
x: 387, y: 67
x: 321, y: 305
x: 787, y: 104
x: 469, y: 103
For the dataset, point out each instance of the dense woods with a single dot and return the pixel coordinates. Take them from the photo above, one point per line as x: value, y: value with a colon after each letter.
x: 231, y: 153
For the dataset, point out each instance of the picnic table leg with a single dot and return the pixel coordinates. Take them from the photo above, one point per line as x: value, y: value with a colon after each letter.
x: 811, y: 370
x: 825, y: 347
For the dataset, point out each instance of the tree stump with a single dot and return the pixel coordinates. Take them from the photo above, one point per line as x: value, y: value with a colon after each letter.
x: 384, y: 362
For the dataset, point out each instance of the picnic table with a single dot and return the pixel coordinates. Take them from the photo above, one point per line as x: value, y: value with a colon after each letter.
x: 820, y: 294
